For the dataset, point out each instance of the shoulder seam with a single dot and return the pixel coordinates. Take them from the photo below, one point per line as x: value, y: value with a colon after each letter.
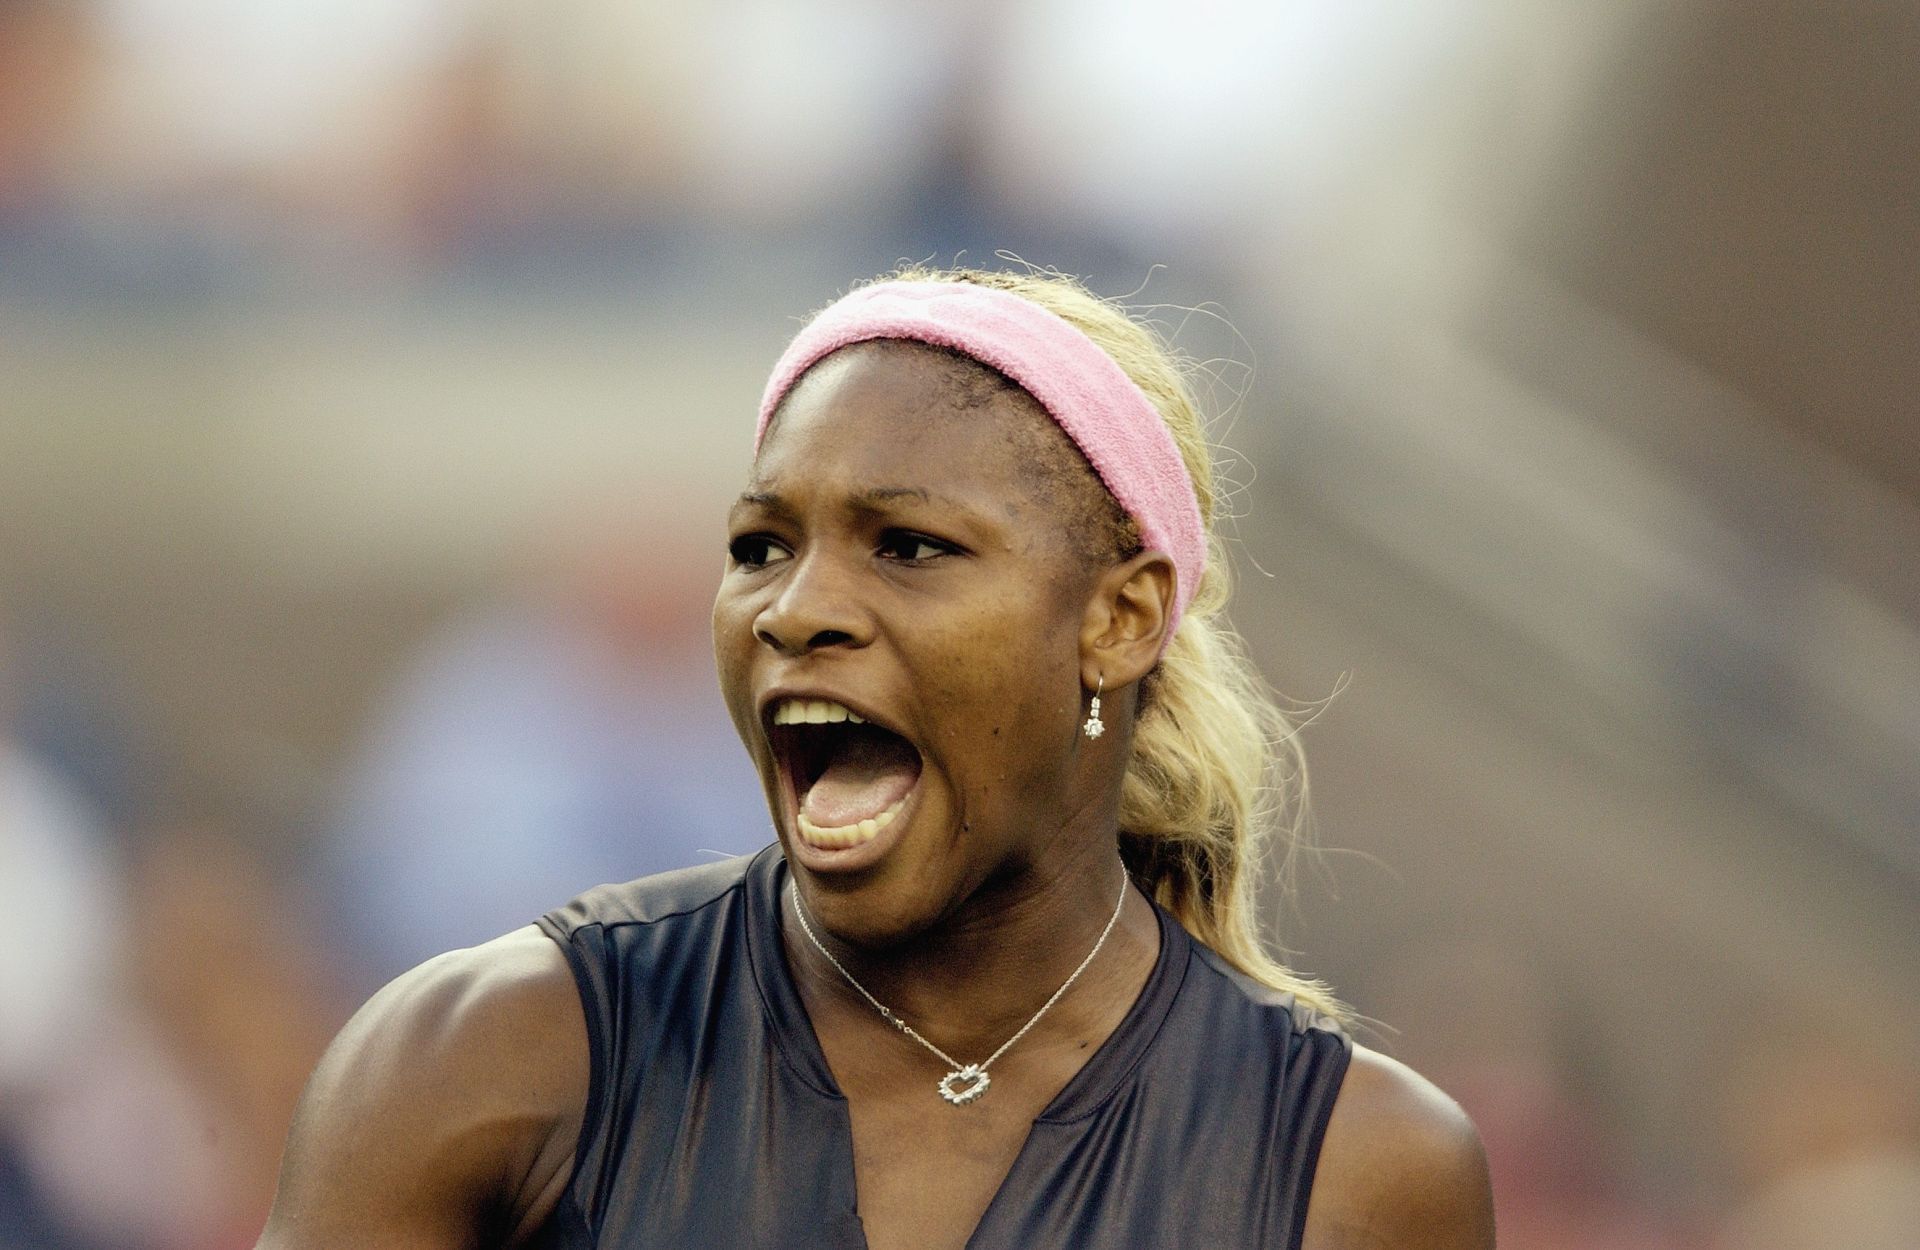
x: 1302, y: 1017
x: 672, y: 915
x: 603, y: 923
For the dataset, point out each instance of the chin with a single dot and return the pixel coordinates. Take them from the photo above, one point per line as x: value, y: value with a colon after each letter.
x: 892, y: 902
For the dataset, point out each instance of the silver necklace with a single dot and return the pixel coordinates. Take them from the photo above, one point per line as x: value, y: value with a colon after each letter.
x: 967, y: 1081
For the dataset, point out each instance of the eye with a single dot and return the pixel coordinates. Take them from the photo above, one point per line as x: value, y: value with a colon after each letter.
x: 908, y: 547
x: 757, y: 551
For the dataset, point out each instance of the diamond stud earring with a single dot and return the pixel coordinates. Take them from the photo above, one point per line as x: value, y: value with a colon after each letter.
x: 1093, y: 728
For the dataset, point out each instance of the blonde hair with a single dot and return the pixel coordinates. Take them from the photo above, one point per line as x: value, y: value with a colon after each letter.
x: 1216, y: 789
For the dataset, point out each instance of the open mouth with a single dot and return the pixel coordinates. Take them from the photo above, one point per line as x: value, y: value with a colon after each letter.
x: 849, y: 777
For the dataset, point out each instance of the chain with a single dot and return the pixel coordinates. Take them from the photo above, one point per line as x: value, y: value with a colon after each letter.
x: 800, y: 912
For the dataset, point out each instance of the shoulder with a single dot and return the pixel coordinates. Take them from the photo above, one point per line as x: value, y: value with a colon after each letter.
x: 649, y: 900
x: 1400, y: 1166
x: 1283, y: 1018
x: 449, y: 1104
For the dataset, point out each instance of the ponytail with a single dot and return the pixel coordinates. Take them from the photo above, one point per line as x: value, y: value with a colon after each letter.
x: 1215, y: 793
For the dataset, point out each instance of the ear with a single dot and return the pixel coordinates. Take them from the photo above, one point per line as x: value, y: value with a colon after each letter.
x: 1126, y: 619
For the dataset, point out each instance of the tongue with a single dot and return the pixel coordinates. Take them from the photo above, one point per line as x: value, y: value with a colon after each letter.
x: 867, y: 776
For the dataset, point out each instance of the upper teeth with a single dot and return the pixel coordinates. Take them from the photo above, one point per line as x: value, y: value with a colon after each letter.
x: 813, y: 712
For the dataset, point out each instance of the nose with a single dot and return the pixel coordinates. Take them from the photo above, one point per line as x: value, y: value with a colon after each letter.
x: 816, y: 607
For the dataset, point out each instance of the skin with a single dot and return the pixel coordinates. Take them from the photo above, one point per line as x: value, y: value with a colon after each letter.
x: 895, y: 552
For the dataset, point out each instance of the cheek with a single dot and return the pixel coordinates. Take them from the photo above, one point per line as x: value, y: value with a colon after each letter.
x: 1005, y: 686
x: 733, y: 654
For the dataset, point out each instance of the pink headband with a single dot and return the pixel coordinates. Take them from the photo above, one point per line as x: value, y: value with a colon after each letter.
x: 1090, y: 397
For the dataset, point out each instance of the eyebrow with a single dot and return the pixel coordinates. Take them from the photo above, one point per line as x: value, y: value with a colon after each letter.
x: 887, y: 494
x: 762, y: 499
x: 871, y: 499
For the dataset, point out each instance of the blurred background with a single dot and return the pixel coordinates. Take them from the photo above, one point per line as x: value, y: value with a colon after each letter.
x: 373, y: 378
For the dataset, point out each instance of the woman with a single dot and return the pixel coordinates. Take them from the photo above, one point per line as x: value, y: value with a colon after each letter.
x: 999, y: 983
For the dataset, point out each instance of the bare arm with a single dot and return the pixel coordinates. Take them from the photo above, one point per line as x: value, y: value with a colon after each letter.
x: 445, y: 1113
x: 1401, y: 1167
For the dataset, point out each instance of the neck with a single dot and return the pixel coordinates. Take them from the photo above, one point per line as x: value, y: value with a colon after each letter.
x: 971, y: 981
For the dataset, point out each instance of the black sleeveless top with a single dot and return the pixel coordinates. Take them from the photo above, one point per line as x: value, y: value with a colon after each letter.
x: 713, y: 1121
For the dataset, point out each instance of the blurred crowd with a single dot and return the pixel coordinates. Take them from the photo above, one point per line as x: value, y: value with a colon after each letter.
x: 1583, y: 398
x: 187, y: 945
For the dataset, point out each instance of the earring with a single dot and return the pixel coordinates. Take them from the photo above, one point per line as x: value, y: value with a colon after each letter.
x: 1093, y: 728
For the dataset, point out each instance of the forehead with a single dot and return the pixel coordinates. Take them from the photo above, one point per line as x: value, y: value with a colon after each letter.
x: 907, y: 415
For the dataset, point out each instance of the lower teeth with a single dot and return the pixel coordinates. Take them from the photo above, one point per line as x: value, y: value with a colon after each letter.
x: 841, y: 836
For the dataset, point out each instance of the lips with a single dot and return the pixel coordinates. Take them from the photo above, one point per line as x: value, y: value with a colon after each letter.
x: 849, y: 777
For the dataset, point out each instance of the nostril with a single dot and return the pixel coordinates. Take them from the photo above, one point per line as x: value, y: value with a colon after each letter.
x: 819, y: 638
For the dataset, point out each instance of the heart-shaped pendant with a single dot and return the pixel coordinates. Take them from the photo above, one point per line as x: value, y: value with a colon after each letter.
x: 971, y: 1080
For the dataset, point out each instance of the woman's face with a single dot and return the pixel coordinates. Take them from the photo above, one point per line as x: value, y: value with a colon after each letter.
x: 893, y: 559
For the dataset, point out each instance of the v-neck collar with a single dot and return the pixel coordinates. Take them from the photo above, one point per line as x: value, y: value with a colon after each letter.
x: 1102, y: 1074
